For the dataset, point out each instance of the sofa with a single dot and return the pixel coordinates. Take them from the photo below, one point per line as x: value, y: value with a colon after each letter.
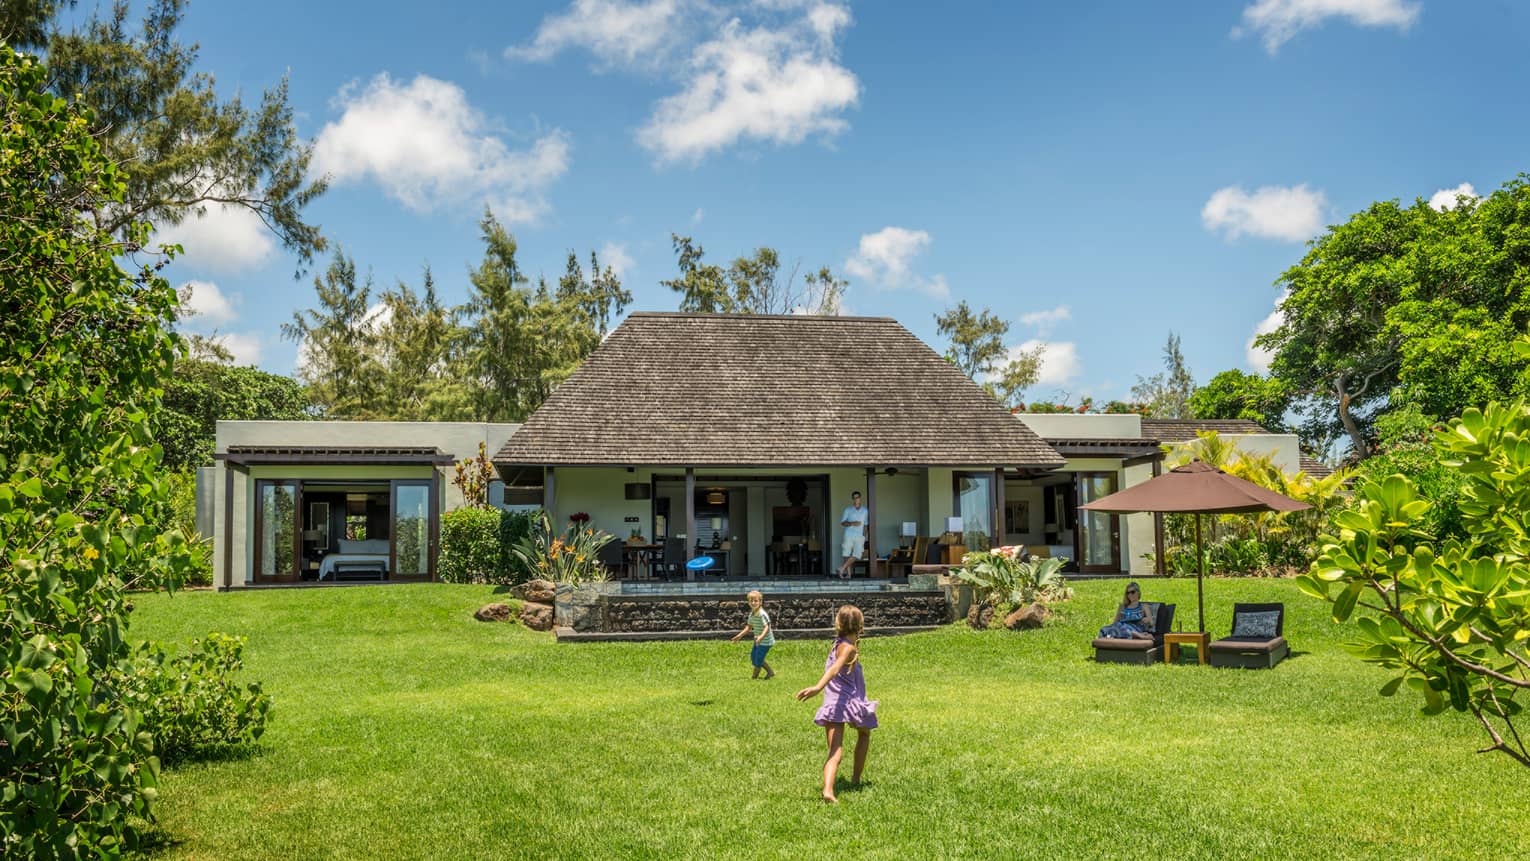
x: 1257, y: 641
x: 1113, y: 651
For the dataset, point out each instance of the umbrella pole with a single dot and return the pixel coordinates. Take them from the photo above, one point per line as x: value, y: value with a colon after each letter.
x: 1200, y: 572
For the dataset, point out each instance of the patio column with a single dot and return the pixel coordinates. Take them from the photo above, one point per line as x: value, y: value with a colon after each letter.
x: 998, y: 501
x: 690, y: 515
x: 871, y: 521
x: 1159, y: 563
x: 228, y: 526
x: 549, y: 493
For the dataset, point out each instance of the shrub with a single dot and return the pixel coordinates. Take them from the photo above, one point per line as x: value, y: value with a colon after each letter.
x: 182, y: 488
x: 471, y: 549
x: 1450, y: 617
x: 477, y: 546
x: 191, y: 704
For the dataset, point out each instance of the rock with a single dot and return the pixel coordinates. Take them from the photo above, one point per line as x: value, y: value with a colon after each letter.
x: 494, y: 613
x: 1029, y: 617
x: 541, y: 591
x: 980, y: 616
x: 537, y: 617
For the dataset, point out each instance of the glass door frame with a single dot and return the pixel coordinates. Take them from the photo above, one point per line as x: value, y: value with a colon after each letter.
x: 991, y: 506
x: 432, y: 518
x: 261, y: 485
x: 1081, y: 531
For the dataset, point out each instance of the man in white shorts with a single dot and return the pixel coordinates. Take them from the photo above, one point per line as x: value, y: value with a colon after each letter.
x: 854, y: 521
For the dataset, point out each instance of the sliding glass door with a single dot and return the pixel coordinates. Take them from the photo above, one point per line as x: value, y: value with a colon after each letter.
x: 1099, y: 533
x: 277, y: 550
x: 412, y: 530
x: 974, y: 493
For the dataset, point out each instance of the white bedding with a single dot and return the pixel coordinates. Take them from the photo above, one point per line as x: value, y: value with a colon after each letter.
x: 327, y: 567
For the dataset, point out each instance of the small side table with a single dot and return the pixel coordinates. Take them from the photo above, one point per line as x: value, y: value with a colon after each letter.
x: 1174, y: 639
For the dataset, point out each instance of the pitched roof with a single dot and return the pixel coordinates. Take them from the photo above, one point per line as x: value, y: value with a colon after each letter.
x: 1185, y: 430
x: 760, y: 390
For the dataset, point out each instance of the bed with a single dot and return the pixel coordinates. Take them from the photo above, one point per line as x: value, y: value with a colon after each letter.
x: 370, y: 557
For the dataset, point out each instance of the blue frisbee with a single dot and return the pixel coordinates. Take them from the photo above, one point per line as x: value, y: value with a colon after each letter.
x: 701, y: 563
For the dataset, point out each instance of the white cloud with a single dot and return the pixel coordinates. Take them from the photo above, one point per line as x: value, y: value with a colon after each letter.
x: 246, y: 346
x: 774, y: 85
x: 1059, y: 360
x: 429, y: 148
x: 1448, y: 198
x: 1259, y: 358
x: 885, y: 259
x: 617, y: 32
x: 698, y: 215
x: 203, y: 302
x: 222, y: 238
x: 765, y: 71
x: 1278, y: 21
x: 614, y: 255
x: 1272, y: 212
x: 1044, y: 321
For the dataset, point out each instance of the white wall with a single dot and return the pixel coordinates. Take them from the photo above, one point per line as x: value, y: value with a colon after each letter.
x: 458, y: 439
x: 1083, y: 426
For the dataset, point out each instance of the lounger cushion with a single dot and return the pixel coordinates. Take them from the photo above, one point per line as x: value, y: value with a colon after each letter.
x: 1260, y: 626
x: 1123, y: 645
x: 1247, y: 644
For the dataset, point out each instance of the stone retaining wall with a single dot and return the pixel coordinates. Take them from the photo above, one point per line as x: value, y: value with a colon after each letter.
x: 655, y: 613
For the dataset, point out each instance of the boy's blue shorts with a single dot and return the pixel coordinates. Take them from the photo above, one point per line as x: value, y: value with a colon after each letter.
x: 757, y: 655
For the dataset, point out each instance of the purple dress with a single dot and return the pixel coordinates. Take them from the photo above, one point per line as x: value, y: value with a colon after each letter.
x: 844, y: 698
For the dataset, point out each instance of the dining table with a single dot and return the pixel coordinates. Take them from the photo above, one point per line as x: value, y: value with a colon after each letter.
x: 640, y: 556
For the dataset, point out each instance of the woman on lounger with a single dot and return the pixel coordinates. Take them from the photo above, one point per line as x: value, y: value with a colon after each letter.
x: 1132, y: 621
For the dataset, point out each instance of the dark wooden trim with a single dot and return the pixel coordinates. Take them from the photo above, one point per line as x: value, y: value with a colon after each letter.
x: 1048, y: 466
x: 334, y: 459
x: 1159, y: 563
x: 690, y: 514
x: 258, y: 527
x: 871, y: 519
x: 437, y: 501
x: 228, y: 525
x: 1154, y: 458
x: 999, y: 536
x: 393, y: 568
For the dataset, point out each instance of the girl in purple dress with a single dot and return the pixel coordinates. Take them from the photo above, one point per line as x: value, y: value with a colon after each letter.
x: 844, y: 699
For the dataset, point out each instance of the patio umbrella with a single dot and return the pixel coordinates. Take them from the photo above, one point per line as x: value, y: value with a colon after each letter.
x: 1195, y: 488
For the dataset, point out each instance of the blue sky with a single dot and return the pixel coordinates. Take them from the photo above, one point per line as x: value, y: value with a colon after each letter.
x: 1096, y: 173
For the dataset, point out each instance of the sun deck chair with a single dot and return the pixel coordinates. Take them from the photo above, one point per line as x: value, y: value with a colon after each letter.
x: 1108, y: 650
x: 1257, y: 641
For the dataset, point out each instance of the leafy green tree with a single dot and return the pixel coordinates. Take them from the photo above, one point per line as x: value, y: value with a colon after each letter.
x: 85, y: 348
x: 825, y: 292
x: 183, y: 147
x: 702, y: 286
x: 338, y: 343
x: 202, y: 392
x: 1234, y: 394
x: 601, y: 296
x: 1450, y: 616
x: 418, y: 349
x: 977, y: 349
x: 1404, y: 305
x: 519, y: 343
x: 1167, y: 394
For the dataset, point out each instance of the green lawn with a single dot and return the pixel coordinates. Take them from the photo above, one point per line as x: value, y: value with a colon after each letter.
x: 405, y: 729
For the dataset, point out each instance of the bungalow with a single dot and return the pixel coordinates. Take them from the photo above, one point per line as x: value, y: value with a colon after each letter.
x: 740, y: 438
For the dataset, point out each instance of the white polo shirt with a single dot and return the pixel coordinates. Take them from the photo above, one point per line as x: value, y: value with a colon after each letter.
x: 857, y: 529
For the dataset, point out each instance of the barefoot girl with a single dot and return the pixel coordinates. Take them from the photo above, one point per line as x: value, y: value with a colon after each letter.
x: 844, y: 699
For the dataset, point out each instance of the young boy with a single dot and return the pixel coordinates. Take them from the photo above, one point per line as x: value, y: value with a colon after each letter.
x: 764, y: 635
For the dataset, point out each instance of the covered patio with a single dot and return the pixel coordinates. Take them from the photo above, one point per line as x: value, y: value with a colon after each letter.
x: 743, y: 438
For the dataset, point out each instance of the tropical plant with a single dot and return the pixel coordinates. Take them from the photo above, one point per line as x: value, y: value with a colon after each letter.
x: 472, y: 477
x: 1260, y: 544
x: 1450, y: 617
x: 191, y: 703
x: 85, y: 348
x: 569, y: 556
x: 1003, y: 576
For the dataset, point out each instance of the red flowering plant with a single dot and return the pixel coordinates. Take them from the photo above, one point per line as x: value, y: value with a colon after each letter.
x: 579, y: 518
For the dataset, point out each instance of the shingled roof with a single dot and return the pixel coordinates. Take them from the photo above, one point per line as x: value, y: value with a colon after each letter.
x: 1185, y: 430
x: 708, y: 390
